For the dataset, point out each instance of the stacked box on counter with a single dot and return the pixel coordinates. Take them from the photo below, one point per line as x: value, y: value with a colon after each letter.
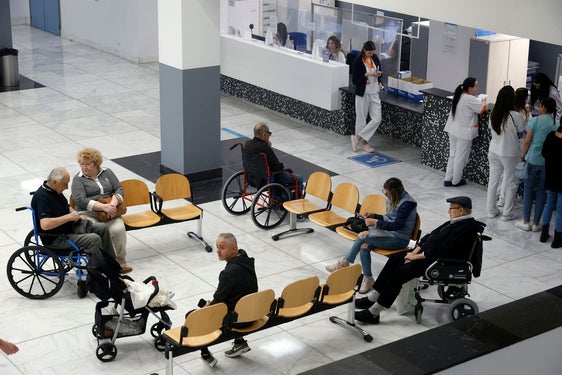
x: 405, y: 85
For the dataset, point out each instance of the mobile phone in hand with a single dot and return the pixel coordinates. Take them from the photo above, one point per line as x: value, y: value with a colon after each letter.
x: 201, y: 303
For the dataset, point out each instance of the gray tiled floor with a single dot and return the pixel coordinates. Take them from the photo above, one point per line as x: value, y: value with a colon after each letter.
x: 95, y: 99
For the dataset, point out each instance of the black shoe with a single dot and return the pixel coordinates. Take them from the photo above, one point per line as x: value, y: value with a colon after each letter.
x: 447, y: 183
x: 365, y: 316
x: 461, y: 183
x: 363, y: 303
x: 544, y: 233
x: 557, y: 241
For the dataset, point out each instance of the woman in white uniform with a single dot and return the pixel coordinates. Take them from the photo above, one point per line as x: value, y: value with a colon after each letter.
x: 462, y: 126
x: 366, y: 73
x: 507, y: 126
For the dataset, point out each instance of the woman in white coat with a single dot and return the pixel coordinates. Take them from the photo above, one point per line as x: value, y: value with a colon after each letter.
x: 507, y: 127
x: 462, y: 126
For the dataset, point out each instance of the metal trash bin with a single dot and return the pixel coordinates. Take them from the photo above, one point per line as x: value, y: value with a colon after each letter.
x: 10, y: 70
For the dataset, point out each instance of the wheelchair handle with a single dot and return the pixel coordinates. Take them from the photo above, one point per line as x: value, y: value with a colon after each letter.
x: 235, y: 145
x: 21, y: 208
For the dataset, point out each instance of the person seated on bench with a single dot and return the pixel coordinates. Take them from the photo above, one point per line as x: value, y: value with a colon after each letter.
x: 261, y: 143
x: 452, y: 240
x: 391, y: 231
x: 92, y: 183
x: 236, y: 280
x: 53, y: 215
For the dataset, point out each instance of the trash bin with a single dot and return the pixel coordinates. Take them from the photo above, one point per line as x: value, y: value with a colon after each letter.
x: 10, y: 71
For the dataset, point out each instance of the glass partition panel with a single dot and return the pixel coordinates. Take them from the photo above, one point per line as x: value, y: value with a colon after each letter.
x: 327, y: 22
x: 353, y: 35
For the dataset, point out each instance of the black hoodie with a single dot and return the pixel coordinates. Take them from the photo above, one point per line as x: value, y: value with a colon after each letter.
x: 236, y: 280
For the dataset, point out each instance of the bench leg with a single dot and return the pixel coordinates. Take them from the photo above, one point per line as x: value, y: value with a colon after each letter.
x: 292, y: 228
x: 350, y: 322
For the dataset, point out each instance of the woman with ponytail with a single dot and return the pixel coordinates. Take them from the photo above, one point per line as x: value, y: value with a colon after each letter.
x: 507, y: 126
x: 462, y: 126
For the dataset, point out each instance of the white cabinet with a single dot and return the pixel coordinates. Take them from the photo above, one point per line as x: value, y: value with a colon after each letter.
x: 498, y: 60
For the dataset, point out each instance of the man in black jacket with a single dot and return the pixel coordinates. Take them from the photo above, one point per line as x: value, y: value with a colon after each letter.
x: 261, y: 144
x: 452, y: 240
x: 236, y: 280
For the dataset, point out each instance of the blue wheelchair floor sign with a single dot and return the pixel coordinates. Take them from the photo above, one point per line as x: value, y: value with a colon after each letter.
x: 374, y: 160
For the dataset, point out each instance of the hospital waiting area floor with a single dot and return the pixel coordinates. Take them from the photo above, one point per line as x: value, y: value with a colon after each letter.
x: 92, y: 98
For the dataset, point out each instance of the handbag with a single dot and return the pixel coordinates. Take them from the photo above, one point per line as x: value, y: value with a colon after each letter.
x: 521, y: 170
x: 121, y: 210
x: 356, y: 224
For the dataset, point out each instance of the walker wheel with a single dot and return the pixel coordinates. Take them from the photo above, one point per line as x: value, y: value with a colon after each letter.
x: 160, y: 344
x: 82, y: 289
x: 106, y: 352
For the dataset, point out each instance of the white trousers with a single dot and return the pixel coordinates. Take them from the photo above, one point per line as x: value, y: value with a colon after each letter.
x: 368, y: 104
x: 116, y: 231
x: 502, y: 165
x: 459, y: 150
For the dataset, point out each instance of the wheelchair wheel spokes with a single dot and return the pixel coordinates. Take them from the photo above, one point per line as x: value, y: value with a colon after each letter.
x: 35, y: 272
x: 267, y: 207
x: 236, y: 196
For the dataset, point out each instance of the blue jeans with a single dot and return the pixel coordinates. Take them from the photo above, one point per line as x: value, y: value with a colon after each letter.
x: 390, y: 243
x: 286, y: 179
x: 534, y: 181
x: 554, y: 199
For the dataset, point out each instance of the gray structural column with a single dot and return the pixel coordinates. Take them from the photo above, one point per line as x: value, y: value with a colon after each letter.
x: 5, y: 25
x: 189, y: 57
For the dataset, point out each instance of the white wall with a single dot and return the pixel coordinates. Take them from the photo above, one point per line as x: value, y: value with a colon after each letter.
x: 19, y: 12
x: 538, y: 20
x: 126, y: 28
x: 447, y: 58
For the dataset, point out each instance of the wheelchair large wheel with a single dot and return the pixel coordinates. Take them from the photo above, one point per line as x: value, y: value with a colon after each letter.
x: 35, y: 272
x: 267, y: 206
x: 30, y: 239
x: 450, y: 292
x: 236, y: 198
x: 461, y: 308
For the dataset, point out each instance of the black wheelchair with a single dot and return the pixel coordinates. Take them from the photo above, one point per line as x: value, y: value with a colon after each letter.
x: 253, y: 190
x: 452, y: 277
x: 37, y: 272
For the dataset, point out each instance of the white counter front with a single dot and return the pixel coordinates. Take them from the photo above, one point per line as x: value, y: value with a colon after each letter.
x: 284, y: 71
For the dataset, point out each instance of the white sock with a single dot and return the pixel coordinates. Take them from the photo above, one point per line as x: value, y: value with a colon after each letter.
x: 373, y: 296
x: 376, y: 309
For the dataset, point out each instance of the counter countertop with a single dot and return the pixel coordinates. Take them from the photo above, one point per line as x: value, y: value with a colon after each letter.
x: 399, y: 101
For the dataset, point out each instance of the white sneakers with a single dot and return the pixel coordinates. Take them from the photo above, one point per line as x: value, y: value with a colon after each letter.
x: 366, y: 284
x: 336, y: 266
x: 528, y: 227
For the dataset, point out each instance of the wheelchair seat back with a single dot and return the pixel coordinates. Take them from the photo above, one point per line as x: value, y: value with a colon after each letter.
x: 449, y: 271
x: 256, y: 169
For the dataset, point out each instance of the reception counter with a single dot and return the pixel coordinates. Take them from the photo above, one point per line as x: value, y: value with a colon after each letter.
x: 283, y: 71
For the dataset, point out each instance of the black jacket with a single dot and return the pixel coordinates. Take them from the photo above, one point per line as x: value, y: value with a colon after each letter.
x: 358, y: 71
x: 236, y: 280
x: 255, y: 146
x: 452, y: 241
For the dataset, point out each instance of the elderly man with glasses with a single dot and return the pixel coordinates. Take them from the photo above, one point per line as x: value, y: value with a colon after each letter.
x: 261, y: 144
x: 452, y: 240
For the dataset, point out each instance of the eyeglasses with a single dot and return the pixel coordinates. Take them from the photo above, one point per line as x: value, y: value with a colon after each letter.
x: 268, y: 132
x: 454, y: 208
x: 86, y: 164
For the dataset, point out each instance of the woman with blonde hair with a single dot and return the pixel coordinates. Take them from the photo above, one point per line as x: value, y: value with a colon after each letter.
x: 92, y: 183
